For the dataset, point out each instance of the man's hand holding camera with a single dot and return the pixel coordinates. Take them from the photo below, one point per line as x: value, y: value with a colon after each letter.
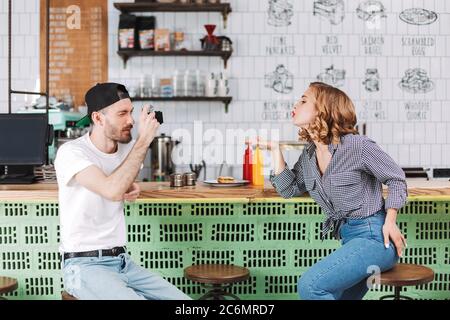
x: 148, y: 125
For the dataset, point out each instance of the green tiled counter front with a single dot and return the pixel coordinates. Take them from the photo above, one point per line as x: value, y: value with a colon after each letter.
x: 276, y: 239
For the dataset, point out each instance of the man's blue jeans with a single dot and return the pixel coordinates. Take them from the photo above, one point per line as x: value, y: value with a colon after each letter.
x: 344, y: 274
x: 115, y: 278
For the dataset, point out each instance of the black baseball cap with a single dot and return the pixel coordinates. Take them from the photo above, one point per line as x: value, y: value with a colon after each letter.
x: 100, y: 96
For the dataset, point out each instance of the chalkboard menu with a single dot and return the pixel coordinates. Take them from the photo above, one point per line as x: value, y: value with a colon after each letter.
x: 78, y: 47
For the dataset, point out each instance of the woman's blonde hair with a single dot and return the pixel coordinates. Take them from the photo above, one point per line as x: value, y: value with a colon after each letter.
x: 336, y: 115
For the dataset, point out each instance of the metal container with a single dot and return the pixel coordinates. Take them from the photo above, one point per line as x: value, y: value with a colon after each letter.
x: 176, y: 180
x: 161, y: 157
x: 189, y: 178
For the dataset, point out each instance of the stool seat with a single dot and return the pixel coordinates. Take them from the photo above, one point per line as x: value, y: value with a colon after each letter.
x: 7, y: 284
x: 218, y: 278
x: 216, y: 273
x: 66, y: 296
x: 403, y: 274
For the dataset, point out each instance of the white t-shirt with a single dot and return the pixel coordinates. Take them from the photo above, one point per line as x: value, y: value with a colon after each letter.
x: 87, y: 220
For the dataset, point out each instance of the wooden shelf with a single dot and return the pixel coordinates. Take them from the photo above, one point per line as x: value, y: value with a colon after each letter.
x: 125, y: 54
x: 128, y: 7
x: 225, y: 100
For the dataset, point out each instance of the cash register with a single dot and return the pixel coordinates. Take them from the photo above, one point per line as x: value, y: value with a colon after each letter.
x: 24, y: 141
x: 64, y: 126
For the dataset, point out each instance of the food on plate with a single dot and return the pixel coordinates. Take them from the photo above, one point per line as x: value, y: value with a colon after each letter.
x: 224, y: 179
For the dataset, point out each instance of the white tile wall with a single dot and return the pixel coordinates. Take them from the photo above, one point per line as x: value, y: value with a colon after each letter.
x: 424, y: 142
x: 25, y: 51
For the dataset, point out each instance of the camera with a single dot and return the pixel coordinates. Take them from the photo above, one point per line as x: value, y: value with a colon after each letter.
x: 158, y: 116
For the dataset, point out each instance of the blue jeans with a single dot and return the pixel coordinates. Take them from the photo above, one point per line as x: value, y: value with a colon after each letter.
x: 115, y: 278
x: 343, y: 274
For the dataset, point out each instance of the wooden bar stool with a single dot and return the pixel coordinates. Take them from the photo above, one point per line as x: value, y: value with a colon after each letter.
x: 66, y: 296
x: 403, y: 274
x: 7, y: 285
x: 218, y: 278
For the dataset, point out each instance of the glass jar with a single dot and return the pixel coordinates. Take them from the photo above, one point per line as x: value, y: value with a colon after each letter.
x: 189, y: 83
x: 154, y: 86
x: 143, y: 91
x: 178, y: 86
x: 178, y: 43
x: 200, y: 83
x: 211, y: 86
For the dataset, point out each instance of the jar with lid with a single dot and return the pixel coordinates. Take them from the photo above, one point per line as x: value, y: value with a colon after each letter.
x: 189, y: 178
x: 178, y: 41
x: 176, y: 180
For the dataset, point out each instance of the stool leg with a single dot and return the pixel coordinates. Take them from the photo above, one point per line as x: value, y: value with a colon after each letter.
x: 217, y: 292
x: 397, y: 293
x: 206, y: 296
x: 229, y: 294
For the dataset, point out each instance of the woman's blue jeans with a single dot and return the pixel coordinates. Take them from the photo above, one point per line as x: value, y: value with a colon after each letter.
x: 348, y: 272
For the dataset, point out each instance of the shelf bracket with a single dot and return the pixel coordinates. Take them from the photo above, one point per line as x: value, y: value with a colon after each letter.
x: 225, y: 18
x: 225, y: 61
x: 125, y: 60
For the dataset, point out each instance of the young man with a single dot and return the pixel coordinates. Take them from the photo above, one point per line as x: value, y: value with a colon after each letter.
x: 96, y: 173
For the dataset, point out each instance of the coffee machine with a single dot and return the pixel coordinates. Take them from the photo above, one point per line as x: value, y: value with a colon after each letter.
x: 162, y: 165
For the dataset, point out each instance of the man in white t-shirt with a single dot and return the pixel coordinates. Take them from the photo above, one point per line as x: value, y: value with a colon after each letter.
x: 96, y: 173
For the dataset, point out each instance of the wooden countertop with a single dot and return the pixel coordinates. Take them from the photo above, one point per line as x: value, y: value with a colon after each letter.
x: 161, y: 192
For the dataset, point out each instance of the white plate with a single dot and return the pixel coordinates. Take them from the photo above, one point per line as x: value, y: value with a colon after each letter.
x: 236, y: 183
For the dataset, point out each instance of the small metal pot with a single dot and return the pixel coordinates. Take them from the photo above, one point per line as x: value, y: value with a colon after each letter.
x: 176, y: 180
x: 189, y: 178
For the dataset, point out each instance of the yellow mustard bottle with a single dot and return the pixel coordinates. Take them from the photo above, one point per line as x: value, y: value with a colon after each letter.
x: 258, y: 164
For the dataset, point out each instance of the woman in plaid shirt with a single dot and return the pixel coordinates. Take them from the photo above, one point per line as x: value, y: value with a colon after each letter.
x: 343, y: 172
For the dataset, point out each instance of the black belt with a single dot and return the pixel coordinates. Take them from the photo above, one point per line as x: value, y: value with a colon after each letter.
x: 95, y: 253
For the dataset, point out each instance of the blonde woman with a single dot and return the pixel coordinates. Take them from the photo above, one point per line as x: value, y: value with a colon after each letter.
x: 343, y: 172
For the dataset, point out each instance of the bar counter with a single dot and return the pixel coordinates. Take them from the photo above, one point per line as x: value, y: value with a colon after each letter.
x: 161, y: 191
x: 172, y: 228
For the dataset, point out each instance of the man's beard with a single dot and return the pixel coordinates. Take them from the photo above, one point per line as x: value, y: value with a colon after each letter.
x: 122, y: 135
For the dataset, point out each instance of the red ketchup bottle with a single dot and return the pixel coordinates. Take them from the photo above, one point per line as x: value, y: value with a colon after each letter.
x: 247, y: 167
